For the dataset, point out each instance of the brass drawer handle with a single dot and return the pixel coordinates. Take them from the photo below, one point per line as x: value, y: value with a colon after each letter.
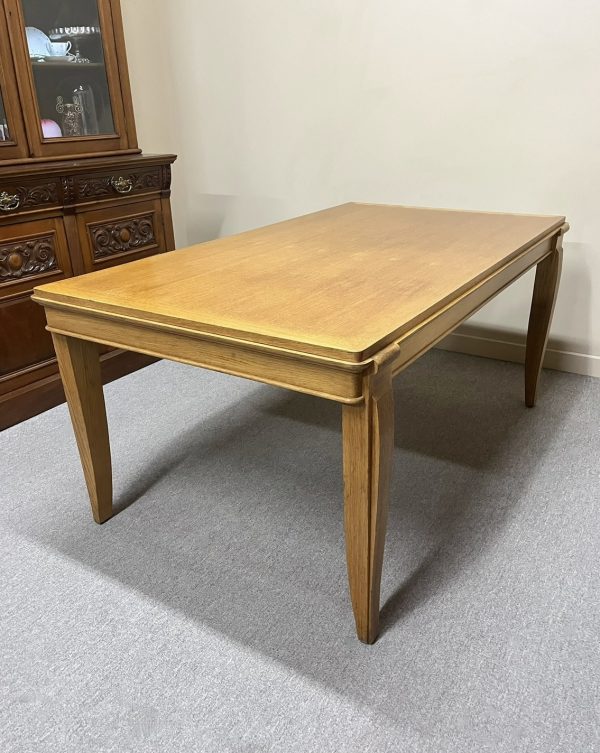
x: 122, y: 185
x: 9, y: 203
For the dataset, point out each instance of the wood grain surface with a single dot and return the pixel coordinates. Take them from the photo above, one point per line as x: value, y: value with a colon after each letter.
x: 79, y: 363
x: 545, y: 292
x: 334, y: 304
x: 368, y: 442
x: 343, y: 283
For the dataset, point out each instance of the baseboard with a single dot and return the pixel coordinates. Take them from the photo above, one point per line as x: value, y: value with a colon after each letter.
x: 483, y: 343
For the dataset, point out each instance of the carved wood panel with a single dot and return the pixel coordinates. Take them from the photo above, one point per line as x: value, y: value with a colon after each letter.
x: 45, y: 193
x: 20, y: 197
x: 121, y: 236
x: 27, y: 258
x: 103, y: 186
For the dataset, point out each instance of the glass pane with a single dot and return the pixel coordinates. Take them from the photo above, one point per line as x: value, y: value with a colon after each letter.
x: 4, y: 133
x: 67, y: 56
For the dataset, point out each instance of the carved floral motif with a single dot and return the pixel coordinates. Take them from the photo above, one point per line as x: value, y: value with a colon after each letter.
x: 98, y: 187
x: 28, y: 257
x: 46, y: 193
x: 122, y: 236
x: 25, y: 197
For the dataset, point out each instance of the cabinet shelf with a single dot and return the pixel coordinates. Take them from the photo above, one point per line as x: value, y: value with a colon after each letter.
x: 63, y: 68
x: 68, y: 66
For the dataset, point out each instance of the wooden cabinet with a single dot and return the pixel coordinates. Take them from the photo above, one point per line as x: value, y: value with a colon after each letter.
x: 76, y: 193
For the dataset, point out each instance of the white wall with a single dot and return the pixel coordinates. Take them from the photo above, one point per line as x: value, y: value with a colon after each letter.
x: 279, y: 107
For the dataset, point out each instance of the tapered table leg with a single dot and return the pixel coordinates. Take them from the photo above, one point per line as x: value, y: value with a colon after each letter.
x: 545, y: 290
x: 79, y: 364
x: 368, y: 437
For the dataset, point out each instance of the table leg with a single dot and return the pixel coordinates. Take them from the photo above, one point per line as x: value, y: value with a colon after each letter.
x: 545, y: 290
x: 79, y: 364
x: 368, y: 437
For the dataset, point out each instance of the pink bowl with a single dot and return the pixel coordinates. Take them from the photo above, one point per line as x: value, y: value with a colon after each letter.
x: 51, y: 129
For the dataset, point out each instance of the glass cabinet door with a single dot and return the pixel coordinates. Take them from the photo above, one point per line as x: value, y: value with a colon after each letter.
x: 6, y: 138
x: 13, y: 144
x: 76, y: 105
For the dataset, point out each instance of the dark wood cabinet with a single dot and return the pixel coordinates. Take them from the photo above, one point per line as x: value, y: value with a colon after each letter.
x: 76, y: 193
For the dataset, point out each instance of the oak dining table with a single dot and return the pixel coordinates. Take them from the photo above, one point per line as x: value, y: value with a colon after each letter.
x: 333, y: 304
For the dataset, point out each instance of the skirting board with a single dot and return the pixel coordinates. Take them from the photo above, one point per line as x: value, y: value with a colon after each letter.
x: 487, y: 346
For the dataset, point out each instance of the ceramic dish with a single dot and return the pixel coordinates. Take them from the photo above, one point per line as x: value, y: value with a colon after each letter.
x: 59, y: 58
x: 73, y: 31
x: 37, y: 42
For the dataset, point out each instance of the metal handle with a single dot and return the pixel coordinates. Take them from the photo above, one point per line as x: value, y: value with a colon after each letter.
x: 8, y: 203
x: 122, y: 185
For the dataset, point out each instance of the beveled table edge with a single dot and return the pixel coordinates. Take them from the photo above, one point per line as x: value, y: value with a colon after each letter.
x: 332, y: 378
x: 367, y: 351
x: 51, y: 303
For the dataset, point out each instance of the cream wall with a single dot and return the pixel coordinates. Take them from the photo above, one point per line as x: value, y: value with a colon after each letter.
x: 278, y: 108
x: 154, y: 99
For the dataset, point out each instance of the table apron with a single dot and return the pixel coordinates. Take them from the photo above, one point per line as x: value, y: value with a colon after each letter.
x: 282, y: 369
x: 424, y: 336
x: 334, y: 380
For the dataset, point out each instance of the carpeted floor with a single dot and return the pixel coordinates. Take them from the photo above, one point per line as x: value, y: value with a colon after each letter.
x: 211, y: 614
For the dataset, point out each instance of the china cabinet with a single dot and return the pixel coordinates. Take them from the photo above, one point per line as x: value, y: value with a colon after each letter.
x: 76, y: 192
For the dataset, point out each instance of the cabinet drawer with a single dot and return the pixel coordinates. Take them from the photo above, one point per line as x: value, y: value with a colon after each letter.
x: 110, y: 185
x: 24, y: 342
x: 120, y: 234
x: 23, y: 194
x: 32, y: 253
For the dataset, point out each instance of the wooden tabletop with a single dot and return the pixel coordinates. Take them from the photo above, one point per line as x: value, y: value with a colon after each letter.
x: 341, y: 283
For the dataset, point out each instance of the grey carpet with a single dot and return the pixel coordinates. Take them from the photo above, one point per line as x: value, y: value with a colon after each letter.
x: 212, y: 613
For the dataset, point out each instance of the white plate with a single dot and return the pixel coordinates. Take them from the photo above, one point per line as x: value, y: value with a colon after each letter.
x: 37, y: 42
x: 56, y: 58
